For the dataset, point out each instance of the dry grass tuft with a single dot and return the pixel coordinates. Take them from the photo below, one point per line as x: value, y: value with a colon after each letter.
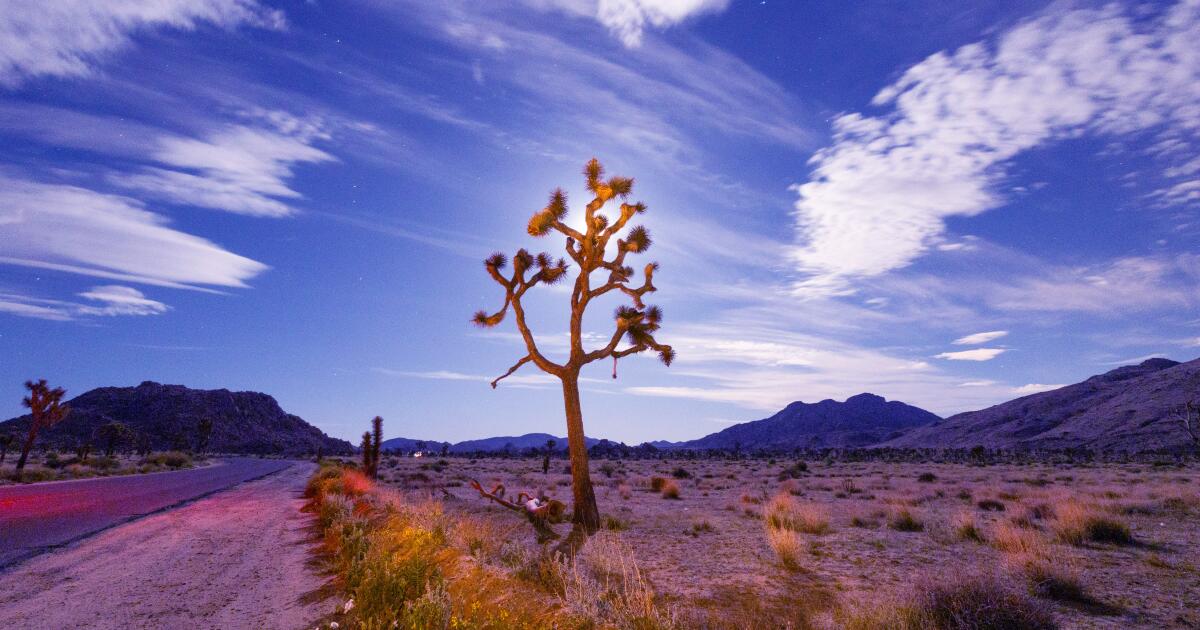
x: 784, y: 512
x: 670, y: 489
x: 787, y: 546
x: 966, y: 527
x: 1010, y: 538
x: 1078, y: 523
x: 959, y: 601
x: 903, y: 520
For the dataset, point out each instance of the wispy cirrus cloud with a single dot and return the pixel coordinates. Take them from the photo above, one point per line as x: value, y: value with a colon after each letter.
x: 67, y: 38
x: 238, y: 169
x: 977, y: 354
x: 978, y: 338
x: 878, y: 196
x: 104, y: 301
x: 74, y: 229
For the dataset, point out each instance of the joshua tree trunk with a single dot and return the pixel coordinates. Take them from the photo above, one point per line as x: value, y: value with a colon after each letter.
x: 26, y: 448
x: 587, y: 514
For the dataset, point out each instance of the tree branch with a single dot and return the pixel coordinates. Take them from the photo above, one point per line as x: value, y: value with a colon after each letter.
x: 525, y: 359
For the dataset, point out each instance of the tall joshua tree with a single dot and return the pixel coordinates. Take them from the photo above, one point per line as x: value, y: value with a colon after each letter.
x: 636, y: 324
x: 367, y: 453
x: 45, y: 405
x: 376, y: 444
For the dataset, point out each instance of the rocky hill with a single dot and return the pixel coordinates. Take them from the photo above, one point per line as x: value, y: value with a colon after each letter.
x: 1126, y: 409
x: 242, y: 422
x: 861, y: 420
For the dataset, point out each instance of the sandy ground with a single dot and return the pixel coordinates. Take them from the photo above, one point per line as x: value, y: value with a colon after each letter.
x: 709, y: 548
x: 237, y: 559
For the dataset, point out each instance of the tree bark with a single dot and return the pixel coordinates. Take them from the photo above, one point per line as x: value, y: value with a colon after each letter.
x: 28, y: 445
x: 586, y: 514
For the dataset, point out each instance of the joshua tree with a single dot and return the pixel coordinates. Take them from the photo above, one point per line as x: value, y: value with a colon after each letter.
x: 376, y: 444
x: 367, y: 453
x: 45, y: 405
x: 550, y: 444
x: 83, y: 450
x: 111, y: 435
x: 637, y: 323
x: 203, y: 433
x: 6, y: 441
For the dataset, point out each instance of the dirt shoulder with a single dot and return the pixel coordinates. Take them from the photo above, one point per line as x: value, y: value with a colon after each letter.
x: 236, y: 559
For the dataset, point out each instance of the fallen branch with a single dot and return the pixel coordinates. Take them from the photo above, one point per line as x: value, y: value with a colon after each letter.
x: 539, y: 513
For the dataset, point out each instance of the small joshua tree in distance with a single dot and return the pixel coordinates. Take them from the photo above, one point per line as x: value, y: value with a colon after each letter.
x: 45, y: 405
x: 550, y: 444
x: 367, y: 453
x: 636, y: 323
x: 6, y: 442
x: 376, y: 444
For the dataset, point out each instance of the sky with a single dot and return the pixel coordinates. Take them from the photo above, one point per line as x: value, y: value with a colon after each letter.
x: 948, y: 204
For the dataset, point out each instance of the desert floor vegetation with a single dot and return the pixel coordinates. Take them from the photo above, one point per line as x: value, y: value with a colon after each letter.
x: 829, y: 544
x: 62, y: 466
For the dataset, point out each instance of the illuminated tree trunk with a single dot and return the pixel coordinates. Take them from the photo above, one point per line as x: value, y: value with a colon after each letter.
x: 587, y: 514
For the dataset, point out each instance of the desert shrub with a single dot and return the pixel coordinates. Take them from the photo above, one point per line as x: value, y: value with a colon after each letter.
x: 990, y: 505
x: 104, y: 463
x: 1052, y: 579
x: 657, y: 483
x: 615, y: 524
x: 604, y: 585
x: 859, y: 520
x: 33, y: 475
x: 1077, y: 523
x: 903, y: 520
x: 608, y: 469
x: 681, y: 473
x: 670, y: 490
x: 958, y: 601
x: 625, y: 491
x: 784, y: 512
x: 795, y: 471
x: 786, y: 545
x: 966, y: 527
x: 927, y: 477
x: 702, y: 527
x: 170, y: 459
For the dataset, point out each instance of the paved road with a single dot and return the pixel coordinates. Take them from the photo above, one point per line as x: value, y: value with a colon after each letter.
x: 38, y: 517
x: 236, y: 559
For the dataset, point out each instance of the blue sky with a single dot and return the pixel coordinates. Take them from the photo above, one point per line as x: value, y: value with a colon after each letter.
x: 942, y: 204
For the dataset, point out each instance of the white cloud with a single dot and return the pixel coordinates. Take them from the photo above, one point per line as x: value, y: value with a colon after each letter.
x: 239, y: 169
x: 119, y: 300
x: 878, y: 196
x: 978, y: 338
x: 627, y: 19
x: 1133, y: 283
x: 68, y: 228
x: 114, y: 300
x: 66, y: 38
x: 977, y: 354
x: 1033, y: 388
x: 765, y: 368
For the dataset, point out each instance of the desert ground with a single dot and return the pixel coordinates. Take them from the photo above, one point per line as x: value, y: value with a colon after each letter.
x: 765, y: 543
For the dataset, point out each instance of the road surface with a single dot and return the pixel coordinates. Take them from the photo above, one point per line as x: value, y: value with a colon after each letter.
x: 38, y: 517
x: 236, y: 559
